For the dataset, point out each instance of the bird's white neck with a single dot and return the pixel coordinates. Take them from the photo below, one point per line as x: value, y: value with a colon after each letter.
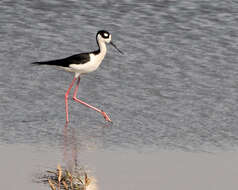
x: 102, y: 48
x: 97, y: 57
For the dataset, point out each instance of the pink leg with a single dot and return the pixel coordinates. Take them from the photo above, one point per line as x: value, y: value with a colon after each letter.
x: 80, y: 101
x: 66, y: 99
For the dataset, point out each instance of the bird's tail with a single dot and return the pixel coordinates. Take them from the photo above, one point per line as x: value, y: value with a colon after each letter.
x: 52, y: 62
x: 36, y: 63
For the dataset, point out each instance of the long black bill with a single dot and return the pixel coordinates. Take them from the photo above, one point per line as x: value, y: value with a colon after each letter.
x: 116, y: 47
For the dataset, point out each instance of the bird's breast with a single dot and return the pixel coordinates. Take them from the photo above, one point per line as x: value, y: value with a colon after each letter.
x: 90, y: 66
x: 96, y: 60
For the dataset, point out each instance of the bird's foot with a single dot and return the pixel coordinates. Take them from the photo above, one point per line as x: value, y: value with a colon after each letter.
x: 106, y: 117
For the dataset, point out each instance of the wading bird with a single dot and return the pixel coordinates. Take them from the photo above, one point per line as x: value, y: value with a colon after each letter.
x: 81, y: 64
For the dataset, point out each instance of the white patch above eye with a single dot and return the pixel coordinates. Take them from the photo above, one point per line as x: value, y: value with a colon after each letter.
x: 106, y: 34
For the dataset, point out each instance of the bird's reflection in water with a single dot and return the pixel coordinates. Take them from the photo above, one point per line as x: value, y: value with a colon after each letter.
x: 72, y: 164
x: 70, y: 148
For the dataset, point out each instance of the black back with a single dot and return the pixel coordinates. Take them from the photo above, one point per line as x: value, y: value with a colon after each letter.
x: 65, y: 62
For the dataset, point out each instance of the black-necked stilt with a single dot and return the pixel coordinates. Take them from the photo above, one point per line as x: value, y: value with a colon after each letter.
x: 83, y: 63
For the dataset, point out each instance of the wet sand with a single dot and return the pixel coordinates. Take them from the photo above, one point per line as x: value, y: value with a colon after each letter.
x: 21, y: 165
x: 123, y: 170
x: 166, y: 170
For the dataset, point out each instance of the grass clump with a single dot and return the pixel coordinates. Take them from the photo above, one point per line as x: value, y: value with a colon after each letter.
x: 66, y: 180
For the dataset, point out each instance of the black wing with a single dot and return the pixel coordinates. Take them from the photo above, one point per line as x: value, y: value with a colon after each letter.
x: 65, y: 62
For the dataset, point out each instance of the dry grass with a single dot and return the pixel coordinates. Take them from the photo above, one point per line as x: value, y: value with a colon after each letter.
x: 65, y: 180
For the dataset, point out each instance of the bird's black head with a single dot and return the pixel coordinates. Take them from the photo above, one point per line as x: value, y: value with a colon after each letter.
x: 104, y: 34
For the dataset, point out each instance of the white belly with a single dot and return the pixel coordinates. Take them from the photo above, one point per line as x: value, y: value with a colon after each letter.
x: 92, y: 65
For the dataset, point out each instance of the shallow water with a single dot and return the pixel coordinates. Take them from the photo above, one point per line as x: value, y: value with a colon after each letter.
x: 174, y: 89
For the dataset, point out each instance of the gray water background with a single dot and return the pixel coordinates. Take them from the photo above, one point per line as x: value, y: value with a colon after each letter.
x: 176, y: 87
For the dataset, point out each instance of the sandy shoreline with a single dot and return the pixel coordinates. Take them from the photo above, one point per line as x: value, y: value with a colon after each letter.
x: 166, y: 170
x: 125, y: 170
